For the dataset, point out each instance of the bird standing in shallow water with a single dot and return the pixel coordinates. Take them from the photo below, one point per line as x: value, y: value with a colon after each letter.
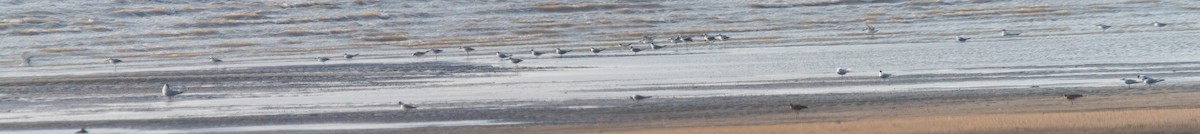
x: 635, y: 50
x: 535, y: 53
x: 322, y: 59
x: 655, y: 47
x: 1150, y: 80
x: 1103, y: 27
x: 962, y: 39
x: 467, y: 50
x: 842, y: 72
x: 1129, y: 82
x: 435, y: 52
x: 561, y: 51
x: 596, y: 51
x: 406, y: 107
x: 170, y: 93
x: 114, y: 62
x: 1005, y: 33
x: 348, y: 56
x: 1159, y: 24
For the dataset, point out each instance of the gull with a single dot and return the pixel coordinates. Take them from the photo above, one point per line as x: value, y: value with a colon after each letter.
x: 1159, y: 24
x: 596, y: 50
x: 1004, y: 32
x: 502, y: 55
x: 561, y: 51
x: 322, y: 59
x: 624, y: 45
x: 638, y: 98
x: 535, y: 53
x: 406, y: 107
x: 1150, y: 80
x: 1129, y: 82
x: 635, y: 50
x: 842, y: 71
x: 655, y: 47
x: 170, y: 93
x: 1103, y: 27
x: 708, y: 38
x: 348, y: 56
x: 722, y: 37
x: 647, y: 39
x: 962, y: 39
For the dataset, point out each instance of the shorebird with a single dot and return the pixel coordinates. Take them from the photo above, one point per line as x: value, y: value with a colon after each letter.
x: 638, y: 98
x: 502, y: 55
x: 216, y: 62
x: 675, y: 40
x: 722, y: 37
x: 348, y: 56
x: 842, y: 72
x: 870, y: 29
x: 435, y: 52
x: 26, y: 59
x: 170, y: 93
x: 561, y: 51
x: 647, y: 39
x: 82, y: 130
x: 1150, y: 80
x: 536, y: 53
x: 655, y: 47
x: 114, y: 62
x: 962, y: 39
x: 515, y: 61
x: 635, y: 50
x: 708, y: 39
x: 1004, y: 32
x: 596, y: 51
x: 1159, y: 24
x: 1071, y: 97
x: 1129, y: 82
x: 624, y: 45
x: 884, y: 76
x: 797, y: 108
x: 685, y: 41
x: 406, y: 107
x: 419, y: 54
x: 467, y: 50
x: 1103, y: 27
x: 322, y: 59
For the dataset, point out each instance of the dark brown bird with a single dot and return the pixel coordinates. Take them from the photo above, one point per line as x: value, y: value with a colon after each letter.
x: 797, y: 108
x: 82, y: 131
x: 1071, y: 97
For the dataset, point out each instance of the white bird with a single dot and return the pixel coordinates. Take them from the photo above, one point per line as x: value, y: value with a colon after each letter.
x: 561, y: 51
x: 675, y: 40
x: 842, y: 71
x: 638, y: 98
x: 1159, y: 24
x: 536, y: 53
x: 1004, y: 32
x: 722, y: 37
x: 647, y: 39
x: 1129, y: 82
x: 709, y: 39
x: 635, y: 50
x: 596, y: 50
x: 170, y: 93
x: 406, y: 107
x: 962, y: 39
x: 1103, y: 27
x: 884, y: 76
x: 502, y: 55
x: 348, y: 56
x: 655, y: 47
x: 1150, y: 80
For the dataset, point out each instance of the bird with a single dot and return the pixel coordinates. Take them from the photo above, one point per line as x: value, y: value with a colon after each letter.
x: 82, y: 130
x: 884, y: 76
x: 1004, y: 32
x: 419, y: 54
x: 1159, y: 24
x: 114, y: 62
x: 1103, y: 27
x: 515, y: 61
x: 322, y: 59
x: 685, y: 41
x: 635, y: 50
x: 1150, y: 80
x: 214, y: 59
x: 26, y: 59
x: 561, y: 51
x: 797, y: 108
x: 962, y: 39
x: 502, y: 55
x: 467, y: 50
x: 624, y: 45
x: 655, y: 47
x: 842, y: 71
x: 406, y: 107
x: 708, y: 38
x: 1129, y: 82
x: 722, y: 37
x: 647, y: 39
x: 870, y: 29
x: 1071, y: 97
x: 348, y: 56
x: 638, y: 98
x: 596, y: 50
x: 167, y: 91
x: 675, y: 40
x: 536, y: 53
x: 435, y: 52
